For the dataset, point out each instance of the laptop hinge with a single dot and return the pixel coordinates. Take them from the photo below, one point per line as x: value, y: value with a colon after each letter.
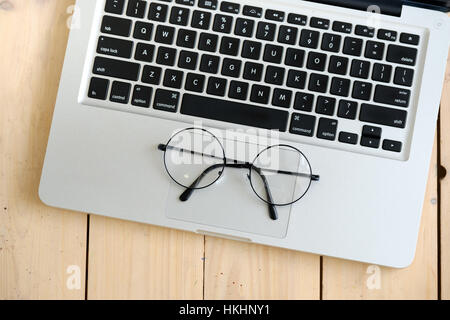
x: 389, y: 7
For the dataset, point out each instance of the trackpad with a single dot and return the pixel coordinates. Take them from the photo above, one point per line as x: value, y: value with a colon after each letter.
x: 229, y: 203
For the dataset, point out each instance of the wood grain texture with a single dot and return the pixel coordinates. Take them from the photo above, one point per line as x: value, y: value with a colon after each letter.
x: 445, y: 187
x: 135, y: 261
x: 352, y: 280
x: 236, y: 270
x: 37, y: 243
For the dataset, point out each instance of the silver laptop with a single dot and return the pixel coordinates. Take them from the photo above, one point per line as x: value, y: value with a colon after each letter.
x: 306, y: 125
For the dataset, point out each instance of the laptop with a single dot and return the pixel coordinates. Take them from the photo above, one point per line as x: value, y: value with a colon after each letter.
x: 305, y: 125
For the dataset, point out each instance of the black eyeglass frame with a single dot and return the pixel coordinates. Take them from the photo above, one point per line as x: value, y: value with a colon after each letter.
x: 231, y: 163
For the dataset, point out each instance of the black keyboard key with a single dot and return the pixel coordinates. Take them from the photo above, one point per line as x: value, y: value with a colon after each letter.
x: 166, y: 56
x: 230, y: 46
x: 392, y: 145
x: 273, y: 53
x: 362, y: 90
x: 201, y: 20
x: 331, y: 42
x: 343, y: 27
x: 173, y: 79
x: 294, y: 57
x: 302, y: 124
x: 383, y: 116
x: 238, y: 90
x: 209, y: 64
x: 186, y: 38
x: 353, y: 46
x: 144, y: 52
x: 251, y: 50
x: 158, y: 12
x: 260, y: 94
x: 347, y: 109
x: 370, y: 131
x: 114, y: 47
x: 296, y: 79
x: 179, y: 16
x: 98, y: 88
x: 208, y: 4
x: 244, y: 27
x: 309, y: 39
x: 230, y: 7
x: 208, y: 42
x: 389, y: 35
x: 318, y: 82
x: 185, y: 2
x: 409, y: 38
x: 325, y: 105
x: 360, y: 69
x: 266, y: 31
x: 223, y: 23
x: 338, y: 65
x: 142, y: 96
x: 275, y: 75
x: 348, y: 137
x: 364, y: 31
x: 251, y: 11
x: 234, y: 112
x: 393, y: 96
x: 216, y: 86
x: 188, y: 60
x: 151, y: 75
x: 253, y: 71
x: 195, y: 82
x: 287, y: 35
x: 374, y: 50
x: 402, y: 55
x: 116, y: 26
x: 316, y: 61
x: 303, y: 101
x: 116, y: 68
x: 274, y: 15
x: 136, y: 8
x: 382, y: 72
x: 120, y: 92
x: 404, y: 76
x: 165, y: 34
x: 114, y: 6
x: 370, y: 142
x: 282, y: 98
x: 166, y: 100
x: 298, y: 19
x: 319, y: 23
x: 231, y: 67
x: 340, y: 87
x: 143, y: 30
x: 327, y: 129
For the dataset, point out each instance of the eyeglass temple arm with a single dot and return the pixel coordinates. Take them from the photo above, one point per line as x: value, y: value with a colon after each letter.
x: 314, y: 177
x: 188, y: 192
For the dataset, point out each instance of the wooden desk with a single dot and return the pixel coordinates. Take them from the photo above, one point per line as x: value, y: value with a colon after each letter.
x: 41, y: 247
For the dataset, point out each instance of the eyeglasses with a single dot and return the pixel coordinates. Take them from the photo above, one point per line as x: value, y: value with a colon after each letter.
x: 279, y: 175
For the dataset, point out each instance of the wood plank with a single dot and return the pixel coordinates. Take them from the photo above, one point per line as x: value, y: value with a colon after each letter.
x: 445, y: 187
x: 136, y: 261
x: 352, y: 280
x: 38, y: 245
x: 236, y: 270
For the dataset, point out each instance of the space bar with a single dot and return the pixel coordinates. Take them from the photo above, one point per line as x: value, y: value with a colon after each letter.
x: 234, y: 112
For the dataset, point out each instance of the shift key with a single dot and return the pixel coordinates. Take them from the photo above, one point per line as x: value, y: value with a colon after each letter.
x: 384, y: 116
x: 116, y: 68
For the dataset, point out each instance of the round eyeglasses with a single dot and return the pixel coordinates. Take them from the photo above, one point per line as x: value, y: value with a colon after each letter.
x: 279, y: 175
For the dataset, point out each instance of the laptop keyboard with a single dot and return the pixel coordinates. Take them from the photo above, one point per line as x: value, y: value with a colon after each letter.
x: 314, y: 78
